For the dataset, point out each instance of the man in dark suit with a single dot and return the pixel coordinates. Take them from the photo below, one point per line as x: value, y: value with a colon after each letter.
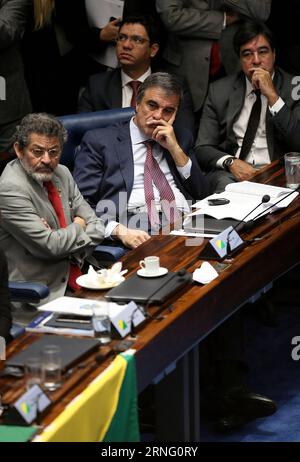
x: 221, y: 146
x: 14, y: 97
x: 111, y: 163
x: 137, y: 46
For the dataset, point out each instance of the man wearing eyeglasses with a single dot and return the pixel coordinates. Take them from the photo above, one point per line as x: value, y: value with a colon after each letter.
x: 137, y: 47
x: 47, y: 228
x: 250, y: 118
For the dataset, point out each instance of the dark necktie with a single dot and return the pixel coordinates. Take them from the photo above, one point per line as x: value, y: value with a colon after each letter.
x: 215, y: 59
x: 152, y: 172
x: 55, y: 200
x: 252, y: 126
x: 135, y: 86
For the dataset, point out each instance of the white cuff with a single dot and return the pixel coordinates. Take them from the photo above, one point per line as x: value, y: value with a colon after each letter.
x: 111, y: 225
x: 185, y: 171
x: 224, y: 21
x: 277, y: 106
x: 220, y: 161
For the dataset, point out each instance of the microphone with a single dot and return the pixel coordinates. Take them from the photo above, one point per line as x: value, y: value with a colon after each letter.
x: 241, y: 226
x: 251, y: 223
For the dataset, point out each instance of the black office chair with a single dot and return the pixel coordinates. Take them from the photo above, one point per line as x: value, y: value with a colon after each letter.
x: 77, y: 125
x: 25, y: 292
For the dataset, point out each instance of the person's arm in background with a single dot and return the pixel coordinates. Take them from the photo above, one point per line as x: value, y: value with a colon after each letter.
x: 78, y: 31
x: 190, y: 22
x: 208, y: 23
x: 254, y: 9
x: 13, y: 18
x: 5, y: 308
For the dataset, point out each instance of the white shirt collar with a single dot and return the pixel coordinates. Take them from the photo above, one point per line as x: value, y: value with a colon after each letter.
x: 137, y: 136
x: 126, y: 79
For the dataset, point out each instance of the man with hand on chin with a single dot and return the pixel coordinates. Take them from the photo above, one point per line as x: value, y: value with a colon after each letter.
x: 250, y: 118
x: 136, y: 173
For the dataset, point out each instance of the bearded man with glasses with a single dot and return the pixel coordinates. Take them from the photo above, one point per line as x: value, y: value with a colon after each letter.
x: 47, y: 229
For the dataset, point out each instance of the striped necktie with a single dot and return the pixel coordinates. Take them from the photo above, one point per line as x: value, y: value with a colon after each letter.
x: 152, y: 172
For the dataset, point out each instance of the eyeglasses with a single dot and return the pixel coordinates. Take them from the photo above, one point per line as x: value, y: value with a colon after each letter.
x: 135, y: 39
x: 38, y: 153
x: 246, y: 55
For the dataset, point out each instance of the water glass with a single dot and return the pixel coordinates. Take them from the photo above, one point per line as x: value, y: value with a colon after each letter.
x: 292, y: 169
x: 33, y: 372
x: 102, y: 324
x: 51, y: 365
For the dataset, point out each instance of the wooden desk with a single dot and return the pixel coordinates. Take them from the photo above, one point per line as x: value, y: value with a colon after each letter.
x: 198, y: 310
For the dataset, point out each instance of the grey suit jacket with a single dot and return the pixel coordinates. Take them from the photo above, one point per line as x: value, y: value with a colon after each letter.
x: 222, y: 108
x: 36, y: 252
x: 192, y: 26
x: 13, y: 17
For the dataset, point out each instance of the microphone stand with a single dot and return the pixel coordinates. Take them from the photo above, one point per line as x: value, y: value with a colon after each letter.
x: 251, y: 223
x: 264, y: 200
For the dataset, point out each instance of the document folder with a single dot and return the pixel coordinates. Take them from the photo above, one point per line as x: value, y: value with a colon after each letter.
x: 148, y: 290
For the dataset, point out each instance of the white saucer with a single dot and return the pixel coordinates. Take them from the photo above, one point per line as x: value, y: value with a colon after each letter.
x: 142, y: 272
x: 83, y: 281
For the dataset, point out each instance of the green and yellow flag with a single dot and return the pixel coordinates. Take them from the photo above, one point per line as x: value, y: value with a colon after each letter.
x: 105, y: 411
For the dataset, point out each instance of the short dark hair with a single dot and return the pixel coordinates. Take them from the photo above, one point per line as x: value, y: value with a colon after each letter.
x: 42, y: 124
x: 167, y: 82
x: 247, y: 31
x: 151, y: 25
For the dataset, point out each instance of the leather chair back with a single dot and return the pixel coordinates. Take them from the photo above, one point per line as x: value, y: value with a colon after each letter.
x: 78, y: 124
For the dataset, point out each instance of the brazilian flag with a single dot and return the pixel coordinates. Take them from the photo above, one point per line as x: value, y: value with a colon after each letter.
x: 105, y: 411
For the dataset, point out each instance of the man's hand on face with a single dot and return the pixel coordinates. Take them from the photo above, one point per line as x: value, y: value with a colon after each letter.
x: 163, y: 132
x: 242, y: 170
x: 131, y: 238
x: 165, y: 136
x: 262, y: 80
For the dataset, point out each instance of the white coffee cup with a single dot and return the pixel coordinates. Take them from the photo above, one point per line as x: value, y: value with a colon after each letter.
x: 150, y: 265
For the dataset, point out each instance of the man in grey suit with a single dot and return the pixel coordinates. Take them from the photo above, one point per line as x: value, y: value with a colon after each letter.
x: 220, y: 146
x: 47, y: 228
x: 194, y: 26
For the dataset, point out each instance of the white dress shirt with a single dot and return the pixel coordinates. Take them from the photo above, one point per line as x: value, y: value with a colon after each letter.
x: 137, y: 196
x: 259, y: 154
x: 127, y: 89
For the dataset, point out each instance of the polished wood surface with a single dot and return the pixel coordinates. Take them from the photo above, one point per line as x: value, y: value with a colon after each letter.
x: 190, y: 315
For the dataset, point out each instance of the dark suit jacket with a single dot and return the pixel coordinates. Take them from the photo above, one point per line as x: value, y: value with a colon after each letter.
x: 222, y: 108
x: 104, y: 91
x: 5, y: 311
x: 104, y: 169
x: 13, y: 16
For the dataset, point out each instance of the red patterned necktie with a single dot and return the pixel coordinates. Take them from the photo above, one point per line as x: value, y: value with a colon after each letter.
x: 135, y: 86
x: 55, y: 200
x: 215, y: 59
x: 152, y: 172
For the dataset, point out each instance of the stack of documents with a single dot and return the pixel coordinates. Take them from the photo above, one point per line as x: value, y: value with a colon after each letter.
x: 243, y: 197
